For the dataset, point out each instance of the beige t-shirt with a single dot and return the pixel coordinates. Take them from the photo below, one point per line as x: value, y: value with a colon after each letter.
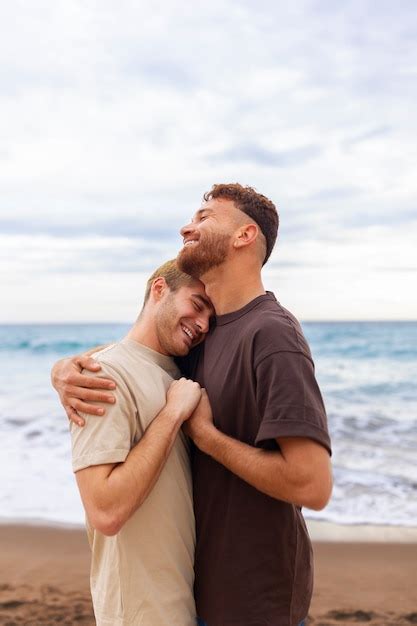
x: 144, y: 575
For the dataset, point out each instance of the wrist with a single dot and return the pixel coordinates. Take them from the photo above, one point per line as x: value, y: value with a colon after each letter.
x: 206, y: 438
x: 174, y: 415
x: 56, y: 371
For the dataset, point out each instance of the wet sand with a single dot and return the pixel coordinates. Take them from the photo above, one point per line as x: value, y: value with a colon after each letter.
x: 44, y: 580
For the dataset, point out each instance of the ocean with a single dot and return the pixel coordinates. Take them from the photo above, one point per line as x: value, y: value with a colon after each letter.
x: 367, y: 373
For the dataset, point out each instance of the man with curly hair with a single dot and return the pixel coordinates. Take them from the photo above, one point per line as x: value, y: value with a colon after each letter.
x: 261, y: 445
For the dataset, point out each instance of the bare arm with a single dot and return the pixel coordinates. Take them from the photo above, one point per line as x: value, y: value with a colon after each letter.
x: 111, y: 493
x: 299, y: 473
x: 77, y: 390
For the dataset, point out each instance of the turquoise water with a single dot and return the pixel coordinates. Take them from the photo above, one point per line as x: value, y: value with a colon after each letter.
x: 367, y: 373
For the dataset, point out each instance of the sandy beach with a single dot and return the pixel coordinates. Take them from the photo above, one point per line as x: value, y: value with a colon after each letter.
x: 44, y: 578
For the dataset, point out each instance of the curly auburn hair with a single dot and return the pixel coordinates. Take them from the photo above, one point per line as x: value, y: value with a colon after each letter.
x: 254, y: 204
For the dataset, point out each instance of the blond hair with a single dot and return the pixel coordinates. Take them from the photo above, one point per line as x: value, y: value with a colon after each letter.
x: 174, y: 278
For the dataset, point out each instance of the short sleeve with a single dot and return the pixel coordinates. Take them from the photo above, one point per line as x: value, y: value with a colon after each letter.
x: 289, y: 399
x: 108, y: 438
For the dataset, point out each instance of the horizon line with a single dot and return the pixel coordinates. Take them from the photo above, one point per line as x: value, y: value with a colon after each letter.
x: 302, y: 321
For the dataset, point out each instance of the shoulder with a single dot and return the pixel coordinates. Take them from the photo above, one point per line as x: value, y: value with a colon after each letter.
x: 275, y: 329
x: 113, y: 356
x: 114, y: 364
x: 118, y: 358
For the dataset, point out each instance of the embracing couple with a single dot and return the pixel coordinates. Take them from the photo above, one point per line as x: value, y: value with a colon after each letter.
x: 193, y: 471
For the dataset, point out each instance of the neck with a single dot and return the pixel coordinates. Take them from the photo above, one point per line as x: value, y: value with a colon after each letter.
x: 231, y: 288
x: 144, y: 332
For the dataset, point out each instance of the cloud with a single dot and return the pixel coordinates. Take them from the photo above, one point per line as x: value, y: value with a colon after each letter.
x: 28, y: 255
x: 372, y: 133
x: 116, y: 119
x: 163, y: 73
x: 336, y: 193
x: 80, y: 229
x: 254, y: 153
x: 399, y: 269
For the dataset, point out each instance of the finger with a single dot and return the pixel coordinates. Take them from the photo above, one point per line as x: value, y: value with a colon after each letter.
x: 90, y: 382
x: 90, y: 409
x: 74, y: 417
x: 90, y: 394
x: 88, y: 363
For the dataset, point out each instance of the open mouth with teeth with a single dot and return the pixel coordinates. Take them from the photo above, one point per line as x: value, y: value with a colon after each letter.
x: 188, y: 333
x: 190, y: 242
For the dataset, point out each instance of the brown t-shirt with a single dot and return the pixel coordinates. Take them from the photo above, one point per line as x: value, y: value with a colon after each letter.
x: 253, y: 556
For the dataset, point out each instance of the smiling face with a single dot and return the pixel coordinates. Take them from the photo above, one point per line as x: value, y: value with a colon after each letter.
x: 208, y: 237
x: 182, y: 318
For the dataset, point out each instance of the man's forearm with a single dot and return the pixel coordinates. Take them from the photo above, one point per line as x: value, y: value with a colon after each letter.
x: 76, y: 390
x: 268, y: 471
x: 114, y: 499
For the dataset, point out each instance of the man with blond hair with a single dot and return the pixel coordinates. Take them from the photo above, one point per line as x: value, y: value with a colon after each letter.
x: 133, y: 469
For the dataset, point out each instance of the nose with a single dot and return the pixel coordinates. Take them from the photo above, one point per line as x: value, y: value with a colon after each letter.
x: 186, y: 230
x: 203, y: 324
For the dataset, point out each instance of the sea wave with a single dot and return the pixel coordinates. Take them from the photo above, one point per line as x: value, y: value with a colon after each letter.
x: 371, y: 404
x: 363, y: 340
x: 43, y: 346
x: 57, y: 339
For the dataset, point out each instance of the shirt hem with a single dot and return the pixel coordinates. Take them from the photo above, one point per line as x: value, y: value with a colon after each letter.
x: 99, y: 458
x: 272, y: 429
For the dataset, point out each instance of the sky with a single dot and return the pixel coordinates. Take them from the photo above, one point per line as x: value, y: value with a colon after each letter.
x: 116, y: 117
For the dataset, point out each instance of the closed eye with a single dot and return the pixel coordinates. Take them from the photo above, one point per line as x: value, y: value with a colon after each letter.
x: 202, y: 214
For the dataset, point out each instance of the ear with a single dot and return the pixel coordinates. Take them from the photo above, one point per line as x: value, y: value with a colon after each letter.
x: 246, y: 235
x: 159, y: 288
